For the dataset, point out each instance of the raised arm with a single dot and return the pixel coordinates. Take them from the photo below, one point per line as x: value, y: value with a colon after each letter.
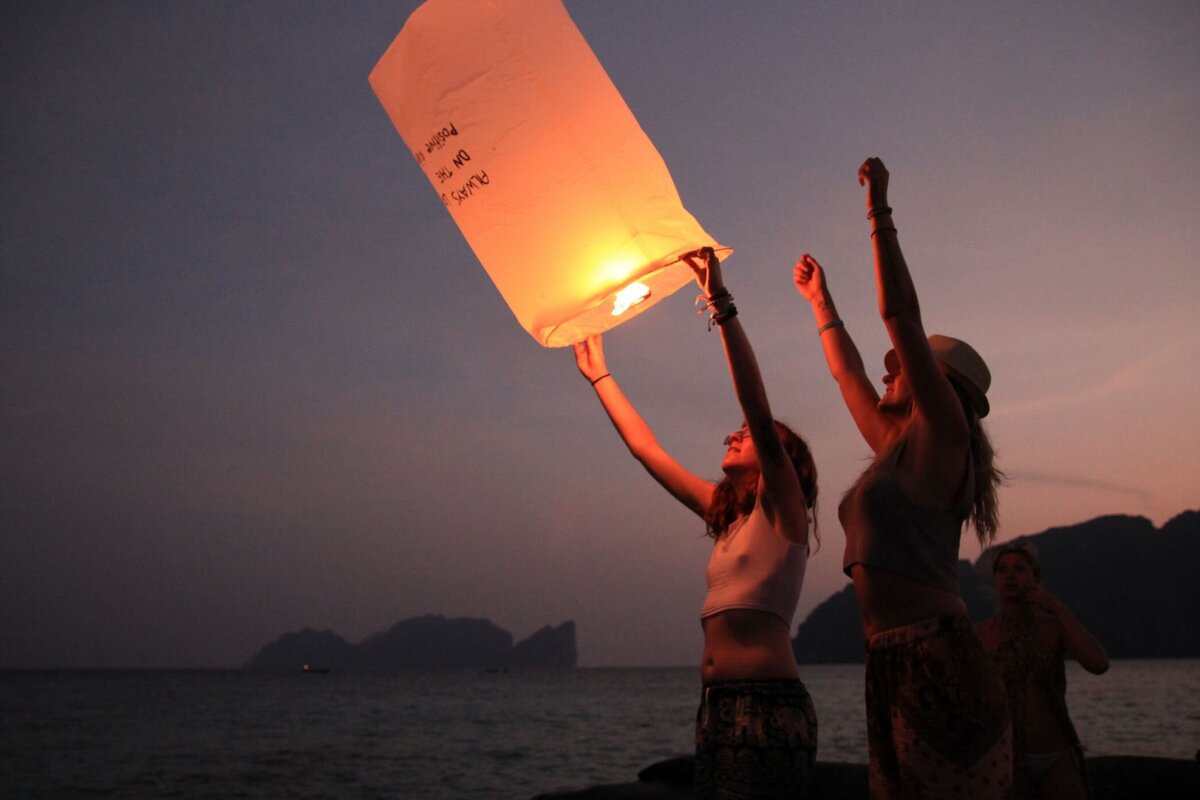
x: 1078, y: 641
x: 842, y: 356
x: 689, y: 489
x: 933, y: 396
x: 782, y: 498
x: 940, y: 436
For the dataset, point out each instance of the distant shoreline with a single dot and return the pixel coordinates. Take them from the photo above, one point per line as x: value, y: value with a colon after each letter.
x: 465, y: 670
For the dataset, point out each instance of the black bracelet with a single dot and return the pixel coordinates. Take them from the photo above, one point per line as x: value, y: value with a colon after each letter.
x: 602, y: 377
x: 706, y: 302
x: 724, y: 316
x: 875, y: 212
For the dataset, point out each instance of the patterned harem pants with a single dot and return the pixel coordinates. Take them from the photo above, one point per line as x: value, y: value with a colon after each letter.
x: 755, y: 739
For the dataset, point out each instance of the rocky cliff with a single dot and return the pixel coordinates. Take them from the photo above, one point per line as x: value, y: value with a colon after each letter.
x: 431, y: 642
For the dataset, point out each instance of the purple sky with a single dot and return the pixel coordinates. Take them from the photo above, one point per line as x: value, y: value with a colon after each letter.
x: 253, y: 379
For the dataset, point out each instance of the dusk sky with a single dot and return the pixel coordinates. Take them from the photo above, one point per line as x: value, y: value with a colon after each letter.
x: 253, y: 379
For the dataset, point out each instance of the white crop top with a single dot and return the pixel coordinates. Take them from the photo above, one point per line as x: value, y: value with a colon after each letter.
x: 752, y: 566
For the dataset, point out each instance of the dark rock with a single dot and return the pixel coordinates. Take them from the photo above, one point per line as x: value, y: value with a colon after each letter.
x: 434, y: 642
x: 624, y: 791
x: 832, y: 633
x: 679, y: 771
x: 1113, y: 778
x: 977, y: 596
x: 319, y: 649
x: 549, y: 647
x: 1136, y: 777
x: 431, y: 642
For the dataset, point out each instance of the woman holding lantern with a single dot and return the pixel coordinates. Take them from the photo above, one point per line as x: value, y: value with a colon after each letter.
x: 756, y: 730
x: 937, y: 722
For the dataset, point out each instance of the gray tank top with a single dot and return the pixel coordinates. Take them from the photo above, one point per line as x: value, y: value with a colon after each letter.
x: 885, y: 530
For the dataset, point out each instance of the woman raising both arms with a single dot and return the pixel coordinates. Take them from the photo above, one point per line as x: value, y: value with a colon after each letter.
x: 937, y: 723
x: 756, y: 730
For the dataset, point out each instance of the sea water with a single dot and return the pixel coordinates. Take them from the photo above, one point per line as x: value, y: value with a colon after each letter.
x: 448, y: 736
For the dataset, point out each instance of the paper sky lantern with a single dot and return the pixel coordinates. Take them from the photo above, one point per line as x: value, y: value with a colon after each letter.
x: 559, y: 192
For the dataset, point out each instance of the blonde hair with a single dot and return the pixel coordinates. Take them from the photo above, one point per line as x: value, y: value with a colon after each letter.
x: 985, y: 505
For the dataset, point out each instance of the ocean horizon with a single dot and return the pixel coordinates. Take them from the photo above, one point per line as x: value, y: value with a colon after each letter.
x: 449, y: 735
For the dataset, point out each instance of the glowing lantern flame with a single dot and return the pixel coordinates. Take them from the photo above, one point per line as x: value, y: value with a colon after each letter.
x: 629, y: 297
x: 539, y: 161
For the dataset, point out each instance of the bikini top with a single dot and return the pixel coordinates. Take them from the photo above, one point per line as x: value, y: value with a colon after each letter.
x: 752, y: 566
x: 886, y: 530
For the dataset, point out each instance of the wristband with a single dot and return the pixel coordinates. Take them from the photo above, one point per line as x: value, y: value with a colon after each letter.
x: 836, y: 323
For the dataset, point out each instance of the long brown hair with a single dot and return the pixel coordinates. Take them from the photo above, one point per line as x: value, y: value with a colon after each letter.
x: 732, y: 500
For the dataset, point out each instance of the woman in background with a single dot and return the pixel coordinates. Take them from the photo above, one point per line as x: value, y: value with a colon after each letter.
x: 756, y: 730
x: 1028, y: 638
x: 937, y: 722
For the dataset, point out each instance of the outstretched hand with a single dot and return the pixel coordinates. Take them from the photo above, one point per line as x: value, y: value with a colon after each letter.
x: 809, y: 278
x: 707, y: 268
x: 874, y: 175
x: 589, y: 357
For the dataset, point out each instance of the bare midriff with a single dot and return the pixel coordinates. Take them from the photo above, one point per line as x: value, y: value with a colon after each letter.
x: 744, y: 643
x: 1043, y: 729
x: 887, y: 600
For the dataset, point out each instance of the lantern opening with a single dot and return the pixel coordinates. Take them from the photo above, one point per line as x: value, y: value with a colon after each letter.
x: 629, y: 297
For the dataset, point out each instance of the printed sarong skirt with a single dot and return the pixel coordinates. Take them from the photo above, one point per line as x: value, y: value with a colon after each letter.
x: 937, y: 717
x: 755, y: 739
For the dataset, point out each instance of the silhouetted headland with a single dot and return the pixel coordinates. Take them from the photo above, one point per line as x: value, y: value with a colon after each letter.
x: 431, y: 642
x: 1094, y: 567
